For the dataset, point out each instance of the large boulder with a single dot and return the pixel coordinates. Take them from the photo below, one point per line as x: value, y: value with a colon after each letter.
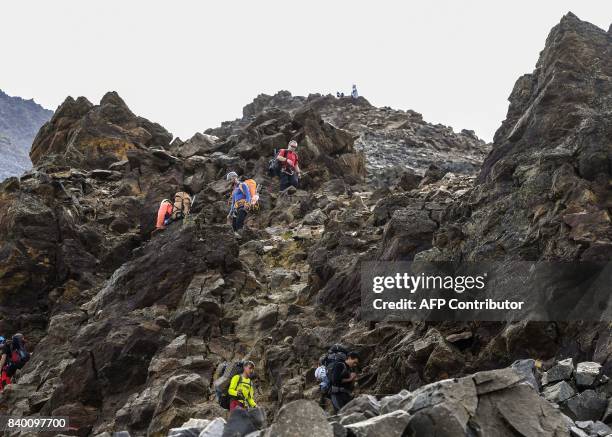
x: 300, y: 418
x: 563, y: 370
x: 242, y: 422
x: 492, y: 403
x: 587, y: 373
x: 391, y: 424
x: 588, y: 405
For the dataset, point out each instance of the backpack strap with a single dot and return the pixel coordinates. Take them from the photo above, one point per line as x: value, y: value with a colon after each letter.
x: 240, y: 185
x: 332, y: 367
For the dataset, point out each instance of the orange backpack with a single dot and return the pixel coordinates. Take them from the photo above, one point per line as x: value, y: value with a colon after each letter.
x: 253, y: 191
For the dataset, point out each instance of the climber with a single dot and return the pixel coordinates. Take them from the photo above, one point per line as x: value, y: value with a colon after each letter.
x: 164, y: 213
x: 354, y: 94
x: 4, y: 379
x: 321, y: 376
x: 14, y: 356
x: 241, y: 388
x: 240, y: 201
x: 342, y: 377
x: 169, y: 212
x: 290, y: 170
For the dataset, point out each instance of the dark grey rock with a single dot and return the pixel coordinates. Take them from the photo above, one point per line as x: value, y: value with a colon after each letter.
x: 241, y: 422
x: 191, y: 428
x: 354, y: 417
x: 214, y: 428
x: 300, y: 418
x: 393, y: 402
x: 559, y: 392
x: 597, y: 428
x: 316, y: 217
x: 389, y: 425
x: 364, y: 404
x: 607, y: 417
x: 528, y: 370
x: 577, y: 432
x: 588, y: 405
x: 587, y: 373
x: 339, y: 430
x: 563, y: 370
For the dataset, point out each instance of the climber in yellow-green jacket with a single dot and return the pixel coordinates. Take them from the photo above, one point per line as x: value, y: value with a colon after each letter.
x: 241, y: 388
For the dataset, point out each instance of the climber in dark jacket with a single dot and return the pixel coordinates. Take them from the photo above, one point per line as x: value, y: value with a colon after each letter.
x: 342, y: 377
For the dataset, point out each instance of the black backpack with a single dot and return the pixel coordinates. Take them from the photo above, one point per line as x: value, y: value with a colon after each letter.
x: 228, y: 371
x: 336, y: 354
x: 274, y: 166
x: 18, y: 358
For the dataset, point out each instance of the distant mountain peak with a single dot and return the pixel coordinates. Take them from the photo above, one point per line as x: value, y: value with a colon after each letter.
x: 20, y: 120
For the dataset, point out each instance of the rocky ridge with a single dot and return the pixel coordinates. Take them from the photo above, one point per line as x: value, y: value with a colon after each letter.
x: 19, y: 121
x: 149, y: 318
x: 394, y: 141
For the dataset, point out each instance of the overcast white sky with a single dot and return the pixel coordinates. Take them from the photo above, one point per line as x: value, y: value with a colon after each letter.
x: 189, y: 65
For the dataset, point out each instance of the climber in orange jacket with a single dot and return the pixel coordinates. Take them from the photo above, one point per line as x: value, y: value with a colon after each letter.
x: 164, y: 213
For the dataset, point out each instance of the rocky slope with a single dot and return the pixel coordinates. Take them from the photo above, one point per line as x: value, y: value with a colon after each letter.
x: 504, y: 402
x: 129, y: 328
x: 19, y: 122
x: 394, y: 141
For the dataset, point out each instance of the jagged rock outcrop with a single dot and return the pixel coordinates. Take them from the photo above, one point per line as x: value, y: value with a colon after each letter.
x: 543, y: 192
x: 20, y: 120
x: 87, y: 136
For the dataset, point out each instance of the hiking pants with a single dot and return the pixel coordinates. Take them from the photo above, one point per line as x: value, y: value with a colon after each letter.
x: 235, y: 403
x: 238, y: 219
x: 339, y: 400
x: 288, y: 180
x: 4, y: 380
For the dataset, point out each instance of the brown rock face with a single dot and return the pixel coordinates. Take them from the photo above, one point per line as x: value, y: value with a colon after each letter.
x: 88, y: 136
x: 544, y: 190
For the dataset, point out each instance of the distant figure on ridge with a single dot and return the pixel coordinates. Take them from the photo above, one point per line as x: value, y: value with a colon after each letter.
x: 354, y: 93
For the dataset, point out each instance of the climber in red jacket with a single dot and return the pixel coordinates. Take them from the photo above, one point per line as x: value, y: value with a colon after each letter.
x: 290, y: 170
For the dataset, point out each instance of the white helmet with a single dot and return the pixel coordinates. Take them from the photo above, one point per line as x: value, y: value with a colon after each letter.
x: 231, y: 175
x: 293, y: 143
